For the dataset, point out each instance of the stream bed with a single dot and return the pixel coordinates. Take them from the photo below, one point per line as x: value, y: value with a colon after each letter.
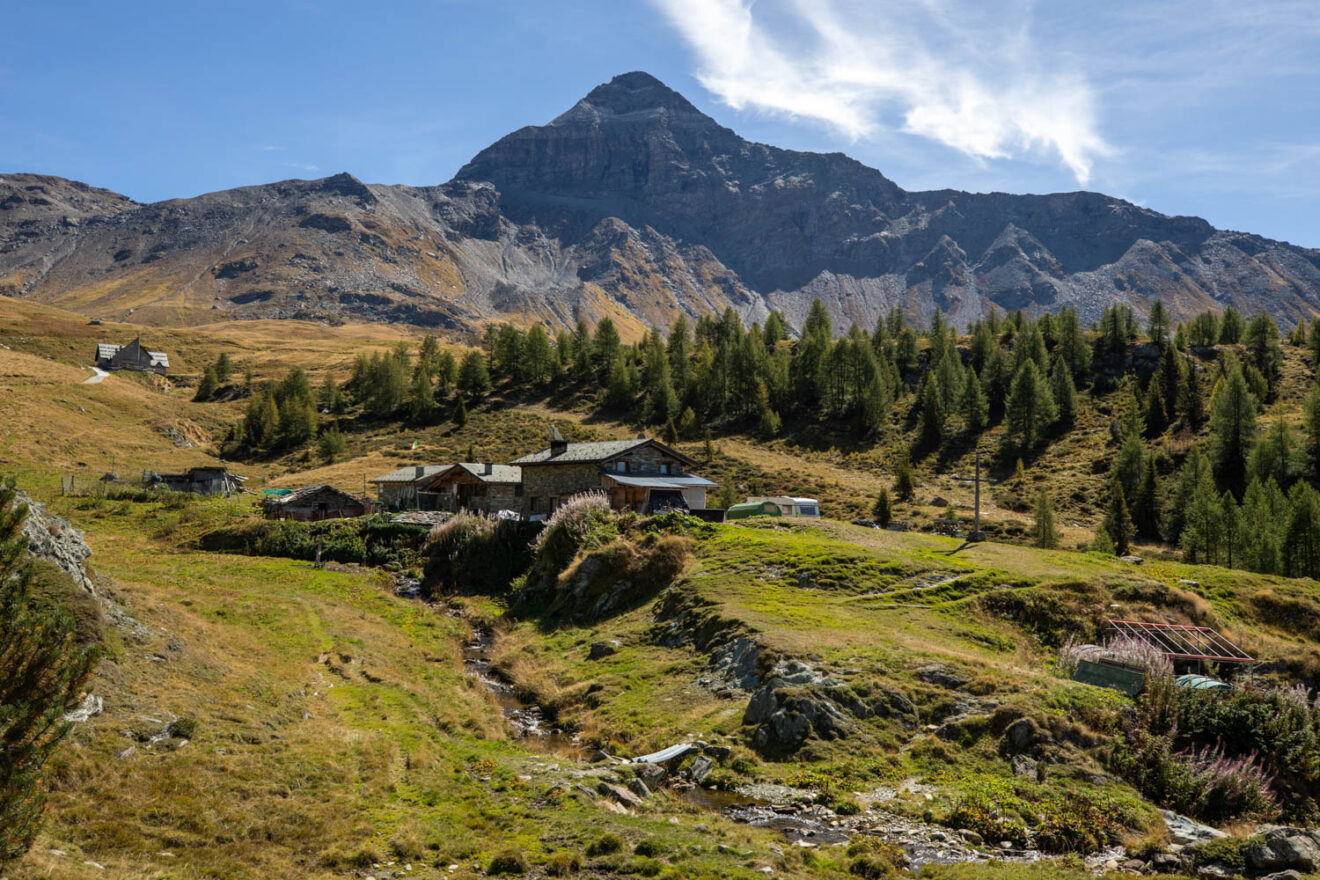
x: 791, y: 812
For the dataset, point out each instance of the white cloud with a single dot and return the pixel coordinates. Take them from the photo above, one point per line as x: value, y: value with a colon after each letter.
x: 964, y: 76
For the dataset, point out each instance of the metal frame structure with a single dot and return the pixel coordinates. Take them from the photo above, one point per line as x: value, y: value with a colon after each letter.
x: 1181, y: 642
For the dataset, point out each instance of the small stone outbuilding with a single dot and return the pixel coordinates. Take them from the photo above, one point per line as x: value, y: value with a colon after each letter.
x: 315, y: 503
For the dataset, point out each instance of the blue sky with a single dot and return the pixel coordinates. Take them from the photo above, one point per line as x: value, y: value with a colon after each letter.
x: 1197, y: 107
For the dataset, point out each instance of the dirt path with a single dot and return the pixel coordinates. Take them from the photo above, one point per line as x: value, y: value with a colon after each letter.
x: 96, y: 379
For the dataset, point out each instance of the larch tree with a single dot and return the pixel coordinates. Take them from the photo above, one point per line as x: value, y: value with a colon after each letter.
x: 1030, y: 408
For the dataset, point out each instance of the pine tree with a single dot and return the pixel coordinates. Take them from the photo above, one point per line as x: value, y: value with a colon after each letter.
x: 767, y: 419
x: 1232, y: 427
x: 1311, y: 429
x: 687, y: 423
x: 446, y: 374
x: 1157, y: 419
x: 1190, y: 402
x: 537, y: 357
x: 208, y: 386
x: 1231, y: 529
x: 882, y: 511
x: 473, y: 377
x: 1157, y: 324
x: 620, y: 388
x: 1118, y: 523
x: 1064, y: 392
x: 875, y: 406
x: 422, y: 409
x: 1045, y: 532
x: 44, y: 664
x: 224, y: 368
x: 1273, y: 457
x: 460, y: 416
x: 1169, y: 376
x: 1231, y: 327
x: 974, y: 407
x: 331, y: 444
x: 1146, y: 502
x: 1030, y: 407
x: 670, y: 432
x: 932, y: 414
x: 904, y: 487
x: 605, y: 347
x: 1201, y: 522
x: 330, y: 399
x: 1262, y: 344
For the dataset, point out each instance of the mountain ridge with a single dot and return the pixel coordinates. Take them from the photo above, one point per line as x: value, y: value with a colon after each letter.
x: 635, y: 205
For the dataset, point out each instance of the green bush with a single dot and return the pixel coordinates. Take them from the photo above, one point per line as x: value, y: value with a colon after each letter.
x: 472, y: 552
x: 604, y: 845
x: 563, y: 864
x: 364, y: 541
x: 1223, y: 755
x: 509, y: 861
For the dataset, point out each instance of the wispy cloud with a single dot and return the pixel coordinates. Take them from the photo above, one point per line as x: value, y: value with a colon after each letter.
x: 972, y: 79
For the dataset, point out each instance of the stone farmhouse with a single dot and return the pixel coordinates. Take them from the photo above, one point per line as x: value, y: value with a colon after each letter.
x: 131, y: 357
x: 642, y: 475
x: 475, y: 486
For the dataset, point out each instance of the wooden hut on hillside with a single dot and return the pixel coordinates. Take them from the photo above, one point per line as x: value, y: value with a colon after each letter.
x: 131, y: 357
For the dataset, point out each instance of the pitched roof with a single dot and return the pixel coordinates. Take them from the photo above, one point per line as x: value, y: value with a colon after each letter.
x: 412, y: 474
x: 499, y: 473
x: 589, y: 453
x: 305, y: 492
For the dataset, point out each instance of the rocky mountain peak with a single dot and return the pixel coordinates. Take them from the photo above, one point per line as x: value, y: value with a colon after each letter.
x: 636, y: 93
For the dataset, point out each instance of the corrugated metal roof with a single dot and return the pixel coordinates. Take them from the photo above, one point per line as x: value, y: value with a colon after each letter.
x: 106, y: 350
x: 411, y: 473
x: 582, y: 453
x: 660, y: 481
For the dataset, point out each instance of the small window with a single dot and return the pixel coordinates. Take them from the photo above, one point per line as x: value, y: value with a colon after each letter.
x: 664, y: 468
x: 517, y: 490
x: 621, y: 467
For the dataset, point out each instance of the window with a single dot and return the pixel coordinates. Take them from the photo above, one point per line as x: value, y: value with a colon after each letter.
x: 621, y: 467
x: 518, y: 490
x: 664, y: 468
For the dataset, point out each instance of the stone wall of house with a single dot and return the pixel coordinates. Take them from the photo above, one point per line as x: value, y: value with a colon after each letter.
x: 541, y: 483
x: 646, y: 460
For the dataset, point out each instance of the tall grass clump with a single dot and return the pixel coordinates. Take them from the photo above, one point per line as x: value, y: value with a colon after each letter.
x: 475, y: 553
x: 582, y: 522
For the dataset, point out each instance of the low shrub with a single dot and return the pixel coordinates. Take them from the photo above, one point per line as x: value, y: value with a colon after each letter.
x: 362, y: 541
x: 604, y: 845
x: 509, y: 861
x: 563, y: 864
x: 1222, y: 755
x: 1061, y: 821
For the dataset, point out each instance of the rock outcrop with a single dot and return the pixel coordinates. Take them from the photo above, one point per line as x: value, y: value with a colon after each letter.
x: 55, y: 540
x: 634, y: 205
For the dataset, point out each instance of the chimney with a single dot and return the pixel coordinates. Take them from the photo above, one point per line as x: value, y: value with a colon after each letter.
x: 488, y: 468
x: 419, y: 471
x: 558, y: 445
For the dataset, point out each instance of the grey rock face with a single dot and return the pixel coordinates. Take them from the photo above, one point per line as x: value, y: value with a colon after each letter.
x: 1188, y: 832
x: 55, y: 540
x: 1285, y: 849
